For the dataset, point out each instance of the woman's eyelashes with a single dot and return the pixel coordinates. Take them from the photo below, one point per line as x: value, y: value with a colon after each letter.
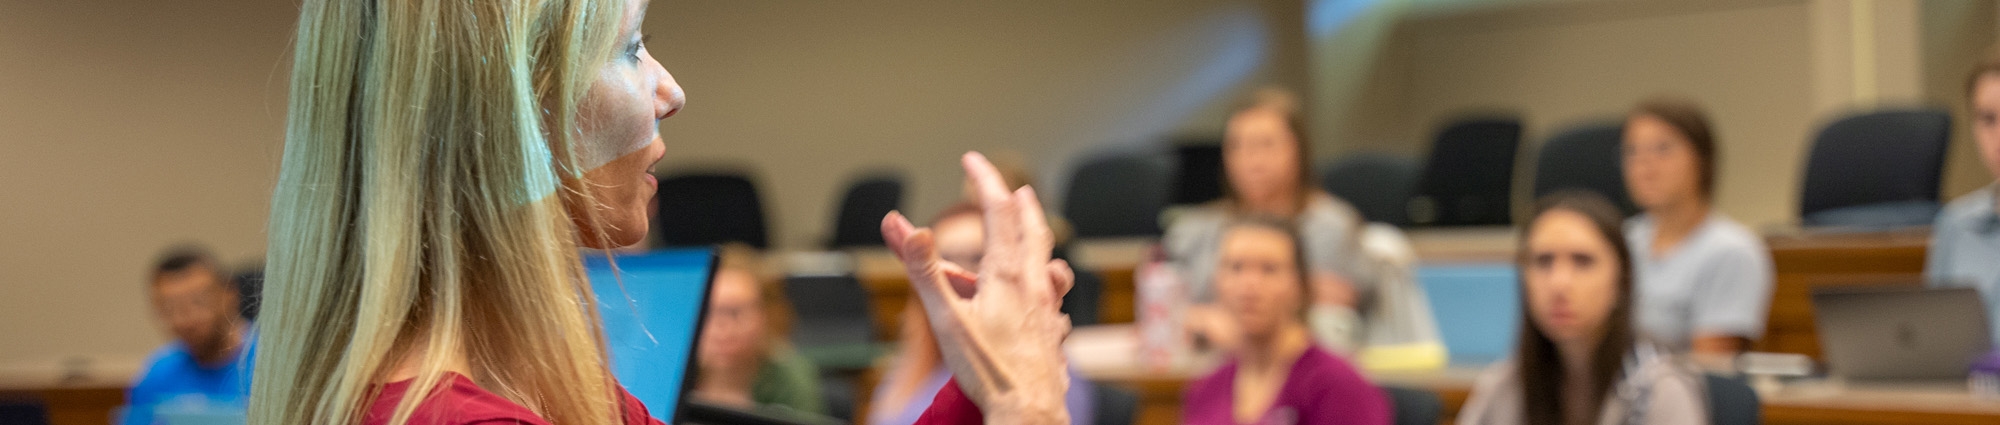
x: 639, y: 44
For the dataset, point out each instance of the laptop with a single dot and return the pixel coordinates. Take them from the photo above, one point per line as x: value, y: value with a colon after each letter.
x: 653, y: 306
x: 1905, y: 333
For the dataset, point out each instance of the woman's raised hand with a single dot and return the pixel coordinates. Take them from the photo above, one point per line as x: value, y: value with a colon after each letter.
x: 1000, y: 328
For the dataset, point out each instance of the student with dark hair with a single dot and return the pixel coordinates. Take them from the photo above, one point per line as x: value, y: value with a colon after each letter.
x: 1703, y: 280
x: 1579, y: 360
x: 205, y: 368
x: 1965, y: 239
x: 1276, y: 374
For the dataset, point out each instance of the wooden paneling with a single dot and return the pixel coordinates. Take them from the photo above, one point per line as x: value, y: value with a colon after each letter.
x: 1807, y: 263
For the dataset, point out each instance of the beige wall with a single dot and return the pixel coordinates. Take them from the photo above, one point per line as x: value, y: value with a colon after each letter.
x: 1957, y: 35
x: 808, y: 93
x: 125, y: 126
x: 130, y: 125
x: 1770, y: 73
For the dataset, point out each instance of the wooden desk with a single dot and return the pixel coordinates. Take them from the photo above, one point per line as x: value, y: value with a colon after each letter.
x: 1807, y: 263
x: 1095, y: 351
x: 1113, y: 260
x: 1948, y: 403
x: 71, y: 400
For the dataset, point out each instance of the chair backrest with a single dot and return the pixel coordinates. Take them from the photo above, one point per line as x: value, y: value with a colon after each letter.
x: 1469, y: 180
x: 1414, y: 406
x: 1732, y: 402
x: 859, y: 221
x: 1197, y: 172
x: 1587, y: 157
x: 1115, y: 406
x: 708, y: 209
x: 1379, y: 185
x: 1085, y: 299
x: 832, y: 310
x: 1885, y: 157
x: 1118, y: 195
x: 23, y: 411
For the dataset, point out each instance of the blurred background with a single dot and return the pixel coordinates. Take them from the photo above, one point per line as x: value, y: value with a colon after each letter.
x: 129, y: 125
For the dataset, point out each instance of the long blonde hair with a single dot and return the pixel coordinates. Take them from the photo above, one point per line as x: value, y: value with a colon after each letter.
x: 417, y: 210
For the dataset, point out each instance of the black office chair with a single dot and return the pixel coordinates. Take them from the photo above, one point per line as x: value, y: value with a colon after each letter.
x: 1469, y: 179
x: 1414, y: 406
x: 1084, y: 299
x: 17, y: 410
x: 1115, y: 406
x: 1879, y: 169
x: 1379, y: 185
x: 708, y: 209
x: 249, y: 282
x: 1197, y: 171
x: 1118, y: 195
x: 1587, y: 157
x: 831, y: 310
x: 834, y: 331
x: 1732, y: 402
x: 859, y: 221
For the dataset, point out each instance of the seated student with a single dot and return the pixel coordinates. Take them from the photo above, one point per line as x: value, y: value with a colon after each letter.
x: 916, y: 373
x: 1704, y: 281
x: 1266, y: 172
x: 1965, y: 239
x: 1277, y: 375
x: 744, y: 358
x: 1578, y: 361
x: 206, y: 369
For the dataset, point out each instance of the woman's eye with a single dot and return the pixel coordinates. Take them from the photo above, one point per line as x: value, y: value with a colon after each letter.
x: 1584, y: 261
x: 633, y: 50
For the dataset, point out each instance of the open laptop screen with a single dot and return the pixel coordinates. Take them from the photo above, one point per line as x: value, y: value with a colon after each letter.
x: 652, y: 313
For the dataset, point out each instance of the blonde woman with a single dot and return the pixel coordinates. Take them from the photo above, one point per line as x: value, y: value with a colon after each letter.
x: 444, y: 160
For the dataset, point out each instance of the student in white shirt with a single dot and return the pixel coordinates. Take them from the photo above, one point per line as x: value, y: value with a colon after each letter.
x: 1704, y: 280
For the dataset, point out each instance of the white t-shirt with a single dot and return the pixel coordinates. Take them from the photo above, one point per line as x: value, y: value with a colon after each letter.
x: 1717, y: 280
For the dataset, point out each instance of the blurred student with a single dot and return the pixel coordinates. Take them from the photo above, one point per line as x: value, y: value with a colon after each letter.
x: 1267, y: 171
x: 1965, y: 239
x: 916, y: 373
x: 744, y: 358
x: 1277, y: 375
x: 1578, y: 361
x: 205, y: 368
x: 1704, y: 280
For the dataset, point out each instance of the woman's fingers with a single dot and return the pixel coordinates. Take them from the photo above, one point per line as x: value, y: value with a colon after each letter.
x: 1001, y: 213
x: 1036, y: 242
x: 915, y: 248
x: 1061, y: 277
x: 964, y: 282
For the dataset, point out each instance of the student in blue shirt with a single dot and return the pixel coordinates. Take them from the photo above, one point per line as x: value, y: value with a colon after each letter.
x: 206, y: 369
x: 1965, y: 239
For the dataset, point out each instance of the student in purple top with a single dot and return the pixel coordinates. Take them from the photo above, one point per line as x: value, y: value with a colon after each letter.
x: 1276, y: 375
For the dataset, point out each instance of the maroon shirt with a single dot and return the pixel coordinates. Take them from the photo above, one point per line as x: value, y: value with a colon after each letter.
x: 456, y: 401
x: 951, y: 407
x: 1320, y: 390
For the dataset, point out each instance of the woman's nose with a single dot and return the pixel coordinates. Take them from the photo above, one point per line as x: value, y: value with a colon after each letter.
x: 669, y: 99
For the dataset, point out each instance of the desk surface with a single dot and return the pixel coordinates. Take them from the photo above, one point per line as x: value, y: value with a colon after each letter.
x: 1103, y: 354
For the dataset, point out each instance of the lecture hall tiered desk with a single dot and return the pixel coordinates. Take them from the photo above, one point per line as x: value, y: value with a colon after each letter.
x: 1803, y: 263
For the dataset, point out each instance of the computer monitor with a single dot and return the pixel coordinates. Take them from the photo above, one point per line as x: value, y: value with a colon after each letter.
x: 653, y: 308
